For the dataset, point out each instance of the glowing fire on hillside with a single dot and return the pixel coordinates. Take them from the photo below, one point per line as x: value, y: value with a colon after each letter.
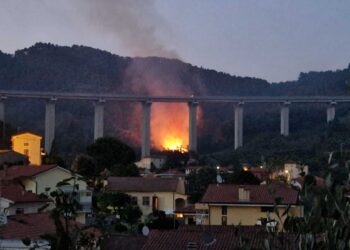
x: 169, y: 126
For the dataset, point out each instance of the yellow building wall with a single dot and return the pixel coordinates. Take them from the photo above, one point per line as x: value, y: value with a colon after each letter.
x: 28, y: 144
x: 29, y: 185
x: 166, y: 200
x: 247, y: 216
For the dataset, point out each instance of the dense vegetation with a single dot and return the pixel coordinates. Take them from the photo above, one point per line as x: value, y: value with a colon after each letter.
x: 46, y: 67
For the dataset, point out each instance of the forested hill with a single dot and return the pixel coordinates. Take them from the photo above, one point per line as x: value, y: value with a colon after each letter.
x: 79, y: 68
x: 46, y: 67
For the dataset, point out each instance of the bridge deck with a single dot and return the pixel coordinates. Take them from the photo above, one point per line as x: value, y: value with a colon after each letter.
x: 202, y: 99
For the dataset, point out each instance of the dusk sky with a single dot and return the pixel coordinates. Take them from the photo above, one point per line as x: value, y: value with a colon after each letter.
x: 269, y: 39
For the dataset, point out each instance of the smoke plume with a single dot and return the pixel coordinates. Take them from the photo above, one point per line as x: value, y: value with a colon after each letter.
x: 136, y: 26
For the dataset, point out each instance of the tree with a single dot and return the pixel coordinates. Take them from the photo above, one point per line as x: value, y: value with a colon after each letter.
x: 68, y: 235
x: 109, y: 152
x: 119, y: 205
x: 84, y: 165
x: 199, y: 181
x: 127, y: 170
x: 243, y: 177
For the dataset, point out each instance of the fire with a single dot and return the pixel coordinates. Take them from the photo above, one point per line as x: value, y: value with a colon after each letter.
x: 169, y: 126
x: 172, y: 143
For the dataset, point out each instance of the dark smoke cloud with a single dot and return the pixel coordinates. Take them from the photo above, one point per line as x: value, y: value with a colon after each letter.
x: 134, y: 24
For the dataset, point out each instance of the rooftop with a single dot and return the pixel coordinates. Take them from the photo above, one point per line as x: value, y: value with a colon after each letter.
x: 259, y: 194
x: 25, y: 171
x: 139, y: 184
x: 226, y: 237
x: 31, y: 226
x: 17, y: 194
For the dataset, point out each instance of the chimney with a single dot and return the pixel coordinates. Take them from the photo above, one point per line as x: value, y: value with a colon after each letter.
x: 243, y: 194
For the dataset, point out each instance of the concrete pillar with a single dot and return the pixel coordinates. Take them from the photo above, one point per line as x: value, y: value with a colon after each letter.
x: 99, y: 119
x: 2, y: 109
x: 331, y: 112
x: 49, y: 124
x: 239, y: 125
x: 2, y: 116
x: 285, y: 119
x: 192, y: 126
x: 146, y: 129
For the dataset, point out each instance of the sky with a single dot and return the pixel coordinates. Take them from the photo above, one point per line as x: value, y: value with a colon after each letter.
x: 270, y: 39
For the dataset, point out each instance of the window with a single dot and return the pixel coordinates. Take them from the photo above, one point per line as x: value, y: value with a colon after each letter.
x: 224, y: 215
x: 266, y: 209
x: 20, y: 210
x: 26, y: 144
x: 133, y: 200
x: 224, y: 210
x: 145, y: 200
x: 224, y: 220
x: 26, y: 152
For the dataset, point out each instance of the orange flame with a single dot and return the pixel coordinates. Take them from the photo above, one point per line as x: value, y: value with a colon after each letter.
x: 169, y: 126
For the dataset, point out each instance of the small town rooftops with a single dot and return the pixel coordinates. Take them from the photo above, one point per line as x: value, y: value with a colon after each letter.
x: 139, y: 184
x: 251, y: 194
x: 24, y: 171
x: 28, y: 134
x: 18, y: 195
x: 33, y: 226
x: 216, y: 237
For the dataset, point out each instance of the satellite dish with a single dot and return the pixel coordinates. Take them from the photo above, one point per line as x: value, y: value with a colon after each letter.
x: 219, y: 179
x: 3, y: 219
x: 145, y: 230
x: 208, y: 238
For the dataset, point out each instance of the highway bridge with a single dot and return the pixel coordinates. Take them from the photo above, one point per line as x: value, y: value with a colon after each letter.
x: 101, y: 98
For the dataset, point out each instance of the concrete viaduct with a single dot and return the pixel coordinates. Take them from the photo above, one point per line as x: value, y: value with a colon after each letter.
x: 146, y: 101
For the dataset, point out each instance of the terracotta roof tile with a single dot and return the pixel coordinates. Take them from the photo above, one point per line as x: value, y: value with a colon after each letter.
x: 24, y: 171
x: 226, y: 237
x: 139, y: 184
x: 259, y: 194
x: 31, y: 226
x: 17, y: 194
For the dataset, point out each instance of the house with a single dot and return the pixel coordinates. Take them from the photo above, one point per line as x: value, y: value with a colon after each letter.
x: 28, y: 144
x: 172, y: 173
x: 248, y: 205
x: 218, y: 237
x: 293, y: 169
x: 43, y: 180
x: 151, y: 193
x: 10, y: 157
x: 298, y: 183
x: 32, y: 227
x: 15, y: 200
x: 290, y: 171
x: 261, y: 173
x: 149, y: 161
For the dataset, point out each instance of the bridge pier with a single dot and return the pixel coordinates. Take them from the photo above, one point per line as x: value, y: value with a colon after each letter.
x: 239, y: 125
x: 331, y: 112
x: 2, y: 109
x: 146, y: 129
x: 192, y: 126
x: 49, y: 124
x: 285, y: 119
x: 99, y: 119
